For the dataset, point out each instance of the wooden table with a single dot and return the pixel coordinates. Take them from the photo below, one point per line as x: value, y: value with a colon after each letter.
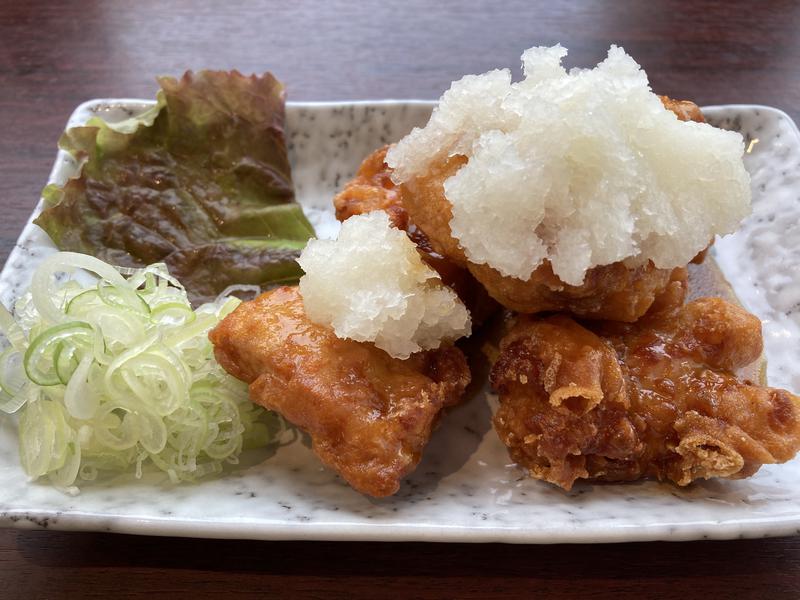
x: 57, y: 54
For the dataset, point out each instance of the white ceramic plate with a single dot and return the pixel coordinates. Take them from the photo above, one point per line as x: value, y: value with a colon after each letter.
x: 464, y: 489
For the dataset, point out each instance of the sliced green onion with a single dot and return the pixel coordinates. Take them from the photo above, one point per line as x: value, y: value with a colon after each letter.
x: 122, y: 298
x: 12, y: 374
x: 64, y: 476
x: 49, y: 302
x: 118, y: 374
x: 37, y: 437
x: 83, y: 303
x: 152, y: 431
x: 78, y: 398
x: 115, y: 429
x: 41, y: 355
x: 11, y: 404
x: 173, y: 313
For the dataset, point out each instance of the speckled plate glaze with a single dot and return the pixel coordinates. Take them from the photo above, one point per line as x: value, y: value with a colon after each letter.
x: 464, y: 489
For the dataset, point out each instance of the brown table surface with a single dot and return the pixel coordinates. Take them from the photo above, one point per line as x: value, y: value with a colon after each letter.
x: 54, y: 55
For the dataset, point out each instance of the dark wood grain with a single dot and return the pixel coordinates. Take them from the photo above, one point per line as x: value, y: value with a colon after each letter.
x: 54, y: 55
x: 71, y: 565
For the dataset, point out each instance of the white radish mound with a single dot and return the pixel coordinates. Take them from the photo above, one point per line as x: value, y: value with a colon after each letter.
x: 581, y: 168
x: 370, y: 285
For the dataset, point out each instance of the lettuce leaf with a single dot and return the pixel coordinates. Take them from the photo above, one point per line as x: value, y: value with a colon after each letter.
x: 201, y: 181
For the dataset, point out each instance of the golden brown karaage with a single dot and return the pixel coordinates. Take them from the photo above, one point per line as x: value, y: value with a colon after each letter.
x: 369, y: 415
x: 372, y: 189
x: 657, y: 398
x: 612, y: 291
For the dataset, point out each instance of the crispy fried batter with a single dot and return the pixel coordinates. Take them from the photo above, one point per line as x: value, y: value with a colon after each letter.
x: 369, y: 415
x: 657, y: 398
x: 609, y: 291
x: 686, y: 110
x: 372, y: 189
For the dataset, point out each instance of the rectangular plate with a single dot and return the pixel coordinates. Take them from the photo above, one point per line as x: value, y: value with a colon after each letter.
x: 464, y: 489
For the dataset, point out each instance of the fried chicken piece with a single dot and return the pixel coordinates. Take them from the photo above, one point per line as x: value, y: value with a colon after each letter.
x: 613, y: 291
x: 372, y: 189
x: 658, y: 398
x: 369, y: 415
x: 610, y: 291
